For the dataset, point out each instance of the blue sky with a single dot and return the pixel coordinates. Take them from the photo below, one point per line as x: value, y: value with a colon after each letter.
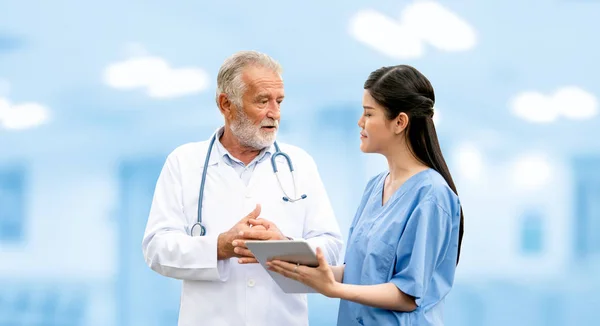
x: 55, y: 54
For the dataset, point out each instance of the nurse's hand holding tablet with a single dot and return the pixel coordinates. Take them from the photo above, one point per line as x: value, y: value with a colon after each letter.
x: 321, y: 278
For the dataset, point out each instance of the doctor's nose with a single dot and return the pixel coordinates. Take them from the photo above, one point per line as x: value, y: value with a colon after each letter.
x: 274, y: 112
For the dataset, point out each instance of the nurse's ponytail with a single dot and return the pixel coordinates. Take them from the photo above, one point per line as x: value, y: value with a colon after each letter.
x: 404, y: 89
x: 424, y: 143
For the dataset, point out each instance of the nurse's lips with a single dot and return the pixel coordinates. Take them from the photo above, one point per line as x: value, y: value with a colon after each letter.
x: 363, y: 135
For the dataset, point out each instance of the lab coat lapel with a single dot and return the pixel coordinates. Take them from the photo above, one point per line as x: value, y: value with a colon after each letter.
x: 264, y: 188
x: 259, y: 175
x: 223, y: 192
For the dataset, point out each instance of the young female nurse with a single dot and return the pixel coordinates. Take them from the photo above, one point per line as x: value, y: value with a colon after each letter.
x: 405, y: 238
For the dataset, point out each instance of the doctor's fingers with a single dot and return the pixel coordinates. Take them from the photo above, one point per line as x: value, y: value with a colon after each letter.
x: 242, y: 252
x: 238, y: 242
x: 261, y: 222
x: 256, y: 235
x: 246, y: 260
x: 252, y: 215
x: 258, y: 227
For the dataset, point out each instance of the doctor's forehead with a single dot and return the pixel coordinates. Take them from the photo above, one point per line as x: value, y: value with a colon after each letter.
x: 259, y: 76
x: 265, y: 88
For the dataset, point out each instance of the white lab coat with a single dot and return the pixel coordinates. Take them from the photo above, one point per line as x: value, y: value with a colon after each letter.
x: 224, y: 292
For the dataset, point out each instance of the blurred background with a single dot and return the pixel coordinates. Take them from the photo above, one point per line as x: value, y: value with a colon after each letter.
x: 95, y: 94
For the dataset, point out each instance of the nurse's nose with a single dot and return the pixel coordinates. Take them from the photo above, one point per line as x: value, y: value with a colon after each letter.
x: 361, y: 122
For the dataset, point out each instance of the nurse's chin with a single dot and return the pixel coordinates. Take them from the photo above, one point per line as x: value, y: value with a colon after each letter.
x: 365, y: 149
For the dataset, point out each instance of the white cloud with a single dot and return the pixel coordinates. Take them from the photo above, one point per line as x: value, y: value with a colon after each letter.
x: 421, y: 23
x: 155, y: 76
x: 531, y: 171
x: 570, y: 102
x: 469, y: 161
x: 385, y: 35
x: 575, y: 103
x: 439, y: 26
x: 22, y: 116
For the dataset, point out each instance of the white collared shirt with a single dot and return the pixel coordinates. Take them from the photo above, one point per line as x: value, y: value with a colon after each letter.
x: 223, y: 292
x: 243, y: 170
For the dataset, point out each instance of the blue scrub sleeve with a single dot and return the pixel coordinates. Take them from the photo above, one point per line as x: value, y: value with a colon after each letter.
x: 421, y: 247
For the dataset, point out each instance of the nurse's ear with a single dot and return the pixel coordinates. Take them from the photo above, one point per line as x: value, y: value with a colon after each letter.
x: 400, y: 123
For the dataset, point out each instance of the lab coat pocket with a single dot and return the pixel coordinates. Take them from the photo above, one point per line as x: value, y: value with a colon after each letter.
x: 379, y: 261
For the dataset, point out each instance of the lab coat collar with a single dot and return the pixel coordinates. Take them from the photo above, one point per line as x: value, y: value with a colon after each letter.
x: 216, y: 156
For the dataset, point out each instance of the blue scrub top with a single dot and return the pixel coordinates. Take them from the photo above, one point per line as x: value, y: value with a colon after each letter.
x: 411, y: 241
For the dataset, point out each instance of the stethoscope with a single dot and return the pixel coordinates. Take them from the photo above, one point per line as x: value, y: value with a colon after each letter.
x: 198, y: 228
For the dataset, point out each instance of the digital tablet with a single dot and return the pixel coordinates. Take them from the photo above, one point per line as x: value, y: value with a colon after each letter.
x: 292, y: 251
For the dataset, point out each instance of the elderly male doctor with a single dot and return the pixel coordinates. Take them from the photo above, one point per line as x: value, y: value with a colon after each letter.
x: 222, y: 283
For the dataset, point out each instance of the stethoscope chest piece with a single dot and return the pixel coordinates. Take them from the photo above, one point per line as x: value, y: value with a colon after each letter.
x: 198, y: 230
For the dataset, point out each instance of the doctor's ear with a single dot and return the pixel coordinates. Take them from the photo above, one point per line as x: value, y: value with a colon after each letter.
x: 225, y: 105
x: 400, y: 123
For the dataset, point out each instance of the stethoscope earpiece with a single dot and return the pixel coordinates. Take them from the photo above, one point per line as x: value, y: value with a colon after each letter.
x: 286, y: 199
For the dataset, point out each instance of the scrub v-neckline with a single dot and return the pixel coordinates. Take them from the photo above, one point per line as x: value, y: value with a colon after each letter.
x: 398, y: 192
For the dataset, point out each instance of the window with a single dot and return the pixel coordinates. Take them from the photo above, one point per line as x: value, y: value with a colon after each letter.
x: 532, y: 229
x: 43, y: 303
x: 12, y: 204
x: 135, y: 281
x: 587, y: 207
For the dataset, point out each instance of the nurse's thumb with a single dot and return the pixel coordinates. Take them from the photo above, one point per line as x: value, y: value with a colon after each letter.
x: 321, y: 258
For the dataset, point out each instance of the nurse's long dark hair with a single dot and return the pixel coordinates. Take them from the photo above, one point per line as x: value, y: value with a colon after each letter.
x: 404, y: 89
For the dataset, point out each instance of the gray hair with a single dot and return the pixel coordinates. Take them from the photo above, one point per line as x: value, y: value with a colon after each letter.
x: 229, y: 79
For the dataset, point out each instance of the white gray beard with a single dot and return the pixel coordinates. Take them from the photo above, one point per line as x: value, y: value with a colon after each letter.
x: 250, y: 135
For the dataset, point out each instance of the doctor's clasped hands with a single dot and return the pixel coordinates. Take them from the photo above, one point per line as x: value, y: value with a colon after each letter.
x: 258, y: 229
x: 225, y: 249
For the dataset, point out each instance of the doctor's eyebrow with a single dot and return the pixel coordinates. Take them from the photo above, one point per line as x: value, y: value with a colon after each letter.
x: 262, y: 96
x: 366, y: 107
